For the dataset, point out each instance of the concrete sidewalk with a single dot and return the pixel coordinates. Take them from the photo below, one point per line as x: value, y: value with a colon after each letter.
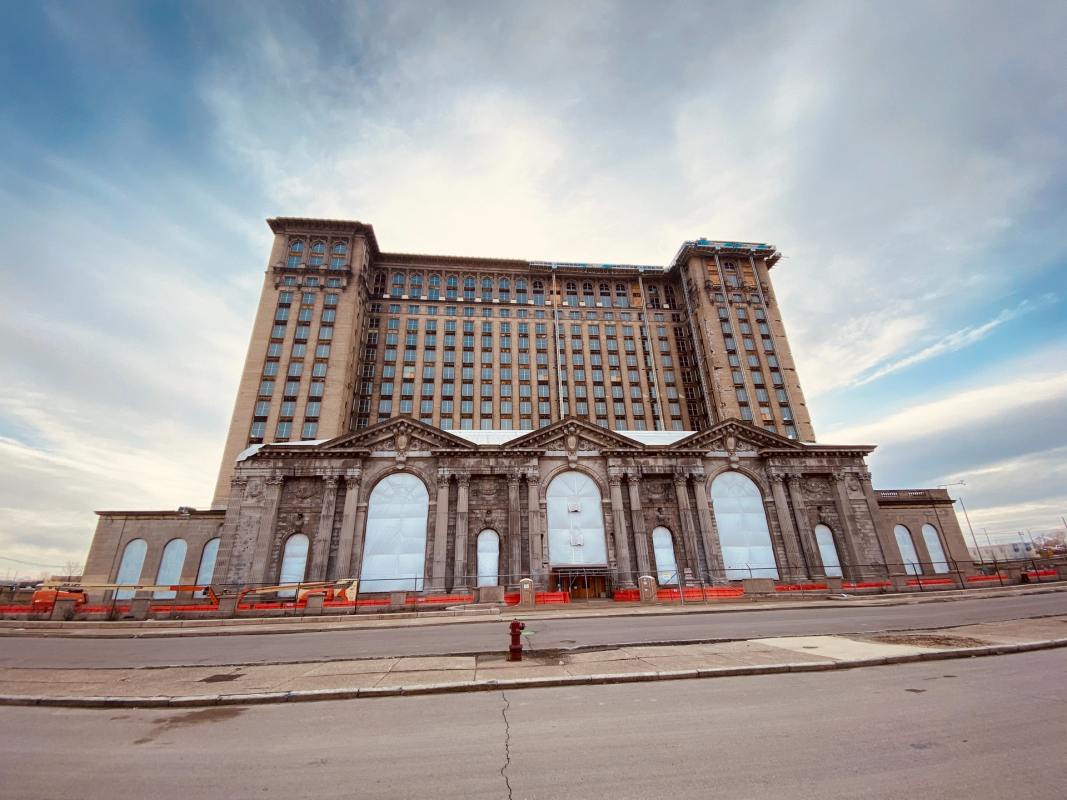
x: 309, y: 624
x: 275, y: 683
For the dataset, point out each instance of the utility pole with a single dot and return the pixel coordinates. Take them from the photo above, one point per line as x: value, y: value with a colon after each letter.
x: 966, y: 516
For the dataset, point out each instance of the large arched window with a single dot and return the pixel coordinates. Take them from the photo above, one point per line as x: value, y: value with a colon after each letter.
x: 488, y: 558
x: 130, y: 567
x: 170, y: 568
x: 575, y: 521
x: 907, y: 550
x: 394, y: 549
x: 666, y: 563
x: 743, y: 533
x: 294, y: 562
x: 934, y: 548
x: 206, y: 571
x: 831, y: 564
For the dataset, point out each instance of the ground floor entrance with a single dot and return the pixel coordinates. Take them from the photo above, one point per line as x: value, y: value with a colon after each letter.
x: 583, y: 583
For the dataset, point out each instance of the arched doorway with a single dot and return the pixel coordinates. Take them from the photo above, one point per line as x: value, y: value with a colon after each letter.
x: 488, y: 558
x: 744, y: 536
x: 831, y: 564
x: 906, y: 546
x: 130, y: 567
x: 294, y: 562
x: 666, y: 562
x: 934, y: 548
x: 394, y: 547
x: 577, y: 548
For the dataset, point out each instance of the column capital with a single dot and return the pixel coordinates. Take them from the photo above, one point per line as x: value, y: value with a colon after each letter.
x: 514, y: 477
x: 238, y: 481
x: 633, y: 475
x: 463, y: 479
x: 614, y: 479
x: 776, y: 477
x: 532, y: 476
x: 353, y: 477
x: 331, y: 481
x: 275, y: 480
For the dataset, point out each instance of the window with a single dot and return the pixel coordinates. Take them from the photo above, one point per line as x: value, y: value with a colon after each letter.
x: 824, y: 537
x: 309, y: 430
x: 130, y: 567
x: 742, y: 524
x: 906, y: 546
x: 170, y: 568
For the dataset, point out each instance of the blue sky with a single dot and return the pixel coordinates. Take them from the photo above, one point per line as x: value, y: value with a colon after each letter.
x: 909, y: 160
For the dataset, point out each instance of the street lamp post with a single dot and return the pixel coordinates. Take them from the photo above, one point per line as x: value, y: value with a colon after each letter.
x: 966, y: 516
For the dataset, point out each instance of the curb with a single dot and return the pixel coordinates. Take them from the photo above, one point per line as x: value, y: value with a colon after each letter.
x: 312, y: 695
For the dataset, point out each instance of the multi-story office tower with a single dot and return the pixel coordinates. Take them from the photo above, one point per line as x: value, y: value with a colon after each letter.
x: 346, y: 336
x: 440, y: 423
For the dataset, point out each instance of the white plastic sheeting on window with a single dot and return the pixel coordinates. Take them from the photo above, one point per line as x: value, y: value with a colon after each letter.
x: 394, y: 549
x: 208, y: 556
x: 170, y: 568
x: 130, y: 567
x: 907, y: 550
x: 294, y: 562
x: 742, y: 523
x: 488, y: 558
x: 575, y: 521
x: 831, y: 564
x: 666, y: 563
x: 934, y: 548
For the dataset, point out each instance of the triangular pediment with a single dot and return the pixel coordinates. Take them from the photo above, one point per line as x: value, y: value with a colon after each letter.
x: 398, y: 434
x: 572, y: 434
x: 735, y: 434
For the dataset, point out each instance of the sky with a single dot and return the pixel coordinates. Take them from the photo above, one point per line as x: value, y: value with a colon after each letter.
x: 908, y: 159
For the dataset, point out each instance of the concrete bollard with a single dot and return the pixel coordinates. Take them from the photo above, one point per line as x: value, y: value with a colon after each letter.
x: 63, y: 609
x: 646, y: 588
x: 900, y: 583
x: 141, y: 605
x: 756, y: 587
x: 527, y: 596
x: 228, y: 605
x: 834, y: 584
x: 491, y: 594
x: 397, y: 600
x: 314, y: 605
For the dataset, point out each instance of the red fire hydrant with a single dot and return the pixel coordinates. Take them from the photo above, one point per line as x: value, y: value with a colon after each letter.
x: 515, y: 651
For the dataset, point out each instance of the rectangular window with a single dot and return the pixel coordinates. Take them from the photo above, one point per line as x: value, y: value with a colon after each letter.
x: 266, y: 388
x: 284, y: 429
x: 313, y: 409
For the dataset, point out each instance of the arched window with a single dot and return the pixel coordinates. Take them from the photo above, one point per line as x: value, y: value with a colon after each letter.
x: 319, y: 248
x: 394, y: 550
x: 208, y: 556
x: 575, y: 521
x: 831, y: 564
x: 743, y: 532
x: 934, y: 548
x: 605, y: 290
x: 170, y: 568
x: 294, y: 562
x: 488, y: 558
x: 130, y: 567
x: 296, y: 247
x: 666, y: 563
x: 907, y: 550
x: 415, y: 281
x: 340, y: 248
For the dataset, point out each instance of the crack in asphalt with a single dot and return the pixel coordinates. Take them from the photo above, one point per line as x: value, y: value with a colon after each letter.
x: 507, y: 743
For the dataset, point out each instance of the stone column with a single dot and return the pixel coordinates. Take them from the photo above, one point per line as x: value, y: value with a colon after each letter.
x: 514, y: 528
x: 537, y: 546
x: 637, y: 519
x: 272, y: 496
x: 712, y: 548
x: 231, y: 533
x: 440, y: 534
x: 460, y: 579
x: 685, y: 514
x: 625, y: 577
x: 887, y: 543
x: 320, y: 552
x: 847, y: 535
x: 343, y: 567
x: 807, y: 535
x: 795, y: 562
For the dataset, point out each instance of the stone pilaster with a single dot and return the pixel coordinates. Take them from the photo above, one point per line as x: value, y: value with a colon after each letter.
x: 685, y: 514
x: 440, y: 534
x: 712, y: 548
x: 846, y: 537
x: 637, y: 519
x: 272, y: 496
x: 514, y: 529
x: 625, y: 576
x: 231, y: 533
x: 461, y: 580
x: 810, y: 549
x: 320, y: 550
x: 887, y: 543
x: 343, y: 566
x: 794, y: 560
x: 537, y: 546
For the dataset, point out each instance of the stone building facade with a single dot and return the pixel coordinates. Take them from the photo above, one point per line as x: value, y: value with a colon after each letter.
x: 430, y: 424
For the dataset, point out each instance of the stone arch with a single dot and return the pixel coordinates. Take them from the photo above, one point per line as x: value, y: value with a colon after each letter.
x: 666, y: 560
x: 130, y: 566
x: 394, y: 541
x: 831, y: 560
x: 488, y: 549
x: 741, y: 520
x: 575, y: 515
x: 171, y: 564
x: 294, y: 564
x: 932, y: 540
x: 906, y: 546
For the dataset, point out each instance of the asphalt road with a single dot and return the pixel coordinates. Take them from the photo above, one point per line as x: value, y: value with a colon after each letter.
x: 492, y: 636
x: 983, y: 728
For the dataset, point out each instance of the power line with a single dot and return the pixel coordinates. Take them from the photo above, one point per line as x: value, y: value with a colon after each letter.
x: 31, y: 563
